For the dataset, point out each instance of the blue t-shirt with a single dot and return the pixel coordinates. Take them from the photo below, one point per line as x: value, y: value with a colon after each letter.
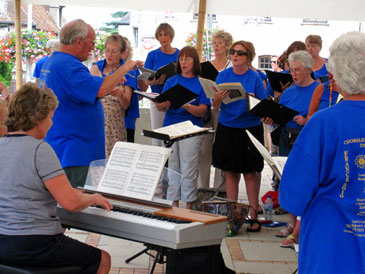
x: 132, y: 113
x: 38, y: 66
x: 235, y: 114
x: 322, y: 73
x: 326, y: 96
x: 77, y: 135
x: 329, y: 157
x: 155, y: 60
x: 298, y: 98
x: 179, y: 115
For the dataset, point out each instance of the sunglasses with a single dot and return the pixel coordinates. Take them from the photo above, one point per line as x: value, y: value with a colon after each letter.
x: 239, y: 52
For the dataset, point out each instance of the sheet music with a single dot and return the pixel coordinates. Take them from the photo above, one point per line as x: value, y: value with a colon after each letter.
x: 133, y: 170
x: 253, y: 101
x: 180, y: 129
x: 276, y: 163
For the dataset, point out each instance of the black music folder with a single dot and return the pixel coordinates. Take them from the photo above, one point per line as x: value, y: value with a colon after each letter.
x: 169, y: 70
x: 267, y: 108
x: 177, y: 95
x: 276, y: 77
x: 208, y: 71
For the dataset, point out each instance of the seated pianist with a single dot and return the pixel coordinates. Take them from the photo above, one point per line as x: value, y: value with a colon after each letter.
x: 32, y: 183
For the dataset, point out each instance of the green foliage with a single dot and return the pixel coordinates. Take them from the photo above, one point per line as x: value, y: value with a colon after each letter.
x: 119, y: 14
x: 6, y: 73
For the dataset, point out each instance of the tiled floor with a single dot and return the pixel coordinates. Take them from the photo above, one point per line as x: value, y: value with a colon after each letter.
x: 250, y: 252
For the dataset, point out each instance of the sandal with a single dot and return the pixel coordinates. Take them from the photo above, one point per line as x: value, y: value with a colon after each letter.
x: 286, y: 231
x: 252, y: 222
x: 280, y: 211
x: 289, y: 241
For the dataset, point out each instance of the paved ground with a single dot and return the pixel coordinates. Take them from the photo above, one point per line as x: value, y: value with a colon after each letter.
x: 244, y: 253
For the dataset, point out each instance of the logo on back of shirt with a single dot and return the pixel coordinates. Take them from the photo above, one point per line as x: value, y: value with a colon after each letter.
x: 360, y: 161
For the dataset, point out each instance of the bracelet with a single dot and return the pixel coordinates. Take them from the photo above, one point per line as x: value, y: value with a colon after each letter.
x: 215, y: 107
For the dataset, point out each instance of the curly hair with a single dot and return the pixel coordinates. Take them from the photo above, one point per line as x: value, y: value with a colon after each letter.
x: 302, y: 56
x: 118, y: 39
x: 226, y: 36
x: 28, y: 106
x: 347, y: 62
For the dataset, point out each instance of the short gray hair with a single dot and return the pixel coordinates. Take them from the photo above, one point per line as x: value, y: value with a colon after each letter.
x: 74, y: 29
x: 347, y: 62
x: 302, y: 56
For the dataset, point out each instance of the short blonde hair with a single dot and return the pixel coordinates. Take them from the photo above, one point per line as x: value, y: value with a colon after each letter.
x: 226, y: 36
x: 167, y: 28
x: 118, y: 39
x: 29, y: 105
x: 130, y: 49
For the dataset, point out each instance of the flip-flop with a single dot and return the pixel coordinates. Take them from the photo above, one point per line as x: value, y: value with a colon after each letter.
x: 286, y: 231
x: 289, y: 241
x: 252, y: 222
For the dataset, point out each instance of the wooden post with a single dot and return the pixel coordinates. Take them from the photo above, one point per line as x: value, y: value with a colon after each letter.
x: 18, y: 45
x: 200, y: 30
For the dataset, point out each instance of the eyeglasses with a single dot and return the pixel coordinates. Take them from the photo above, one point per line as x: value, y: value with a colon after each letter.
x: 108, y: 51
x: 274, y: 62
x: 186, y: 59
x: 91, y: 40
x: 239, y: 52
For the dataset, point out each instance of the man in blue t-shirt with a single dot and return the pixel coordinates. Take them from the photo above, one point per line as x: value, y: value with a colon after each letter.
x: 77, y: 135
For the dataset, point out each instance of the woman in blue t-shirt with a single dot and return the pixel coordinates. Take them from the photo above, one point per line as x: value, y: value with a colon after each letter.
x: 185, y: 153
x: 314, y: 46
x: 156, y: 59
x: 233, y: 152
x: 297, y: 97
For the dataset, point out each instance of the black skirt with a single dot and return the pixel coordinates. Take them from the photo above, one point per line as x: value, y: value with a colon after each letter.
x: 234, y: 151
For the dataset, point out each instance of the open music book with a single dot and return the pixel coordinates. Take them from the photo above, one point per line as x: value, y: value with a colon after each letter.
x: 276, y: 79
x: 276, y: 163
x: 169, y: 70
x: 174, y: 131
x: 178, y: 95
x: 268, y: 108
x: 236, y: 90
x: 133, y: 170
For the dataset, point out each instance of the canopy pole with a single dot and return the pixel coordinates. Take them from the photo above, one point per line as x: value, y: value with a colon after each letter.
x: 200, y: 30
x: 18, y: 46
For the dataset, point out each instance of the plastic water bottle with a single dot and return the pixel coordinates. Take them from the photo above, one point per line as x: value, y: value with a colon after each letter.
x: 268, y: 208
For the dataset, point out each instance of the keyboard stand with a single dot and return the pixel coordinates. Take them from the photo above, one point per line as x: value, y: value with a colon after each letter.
x: 158, y: 258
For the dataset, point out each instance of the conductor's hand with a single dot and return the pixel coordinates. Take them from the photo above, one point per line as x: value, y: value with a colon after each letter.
x: 99, y: 200
x: 132, y: 65
x: 164, y: 106
x: 267, y: 121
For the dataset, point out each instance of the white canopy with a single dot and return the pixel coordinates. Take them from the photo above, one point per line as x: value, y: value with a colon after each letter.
x: 352, y: 10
